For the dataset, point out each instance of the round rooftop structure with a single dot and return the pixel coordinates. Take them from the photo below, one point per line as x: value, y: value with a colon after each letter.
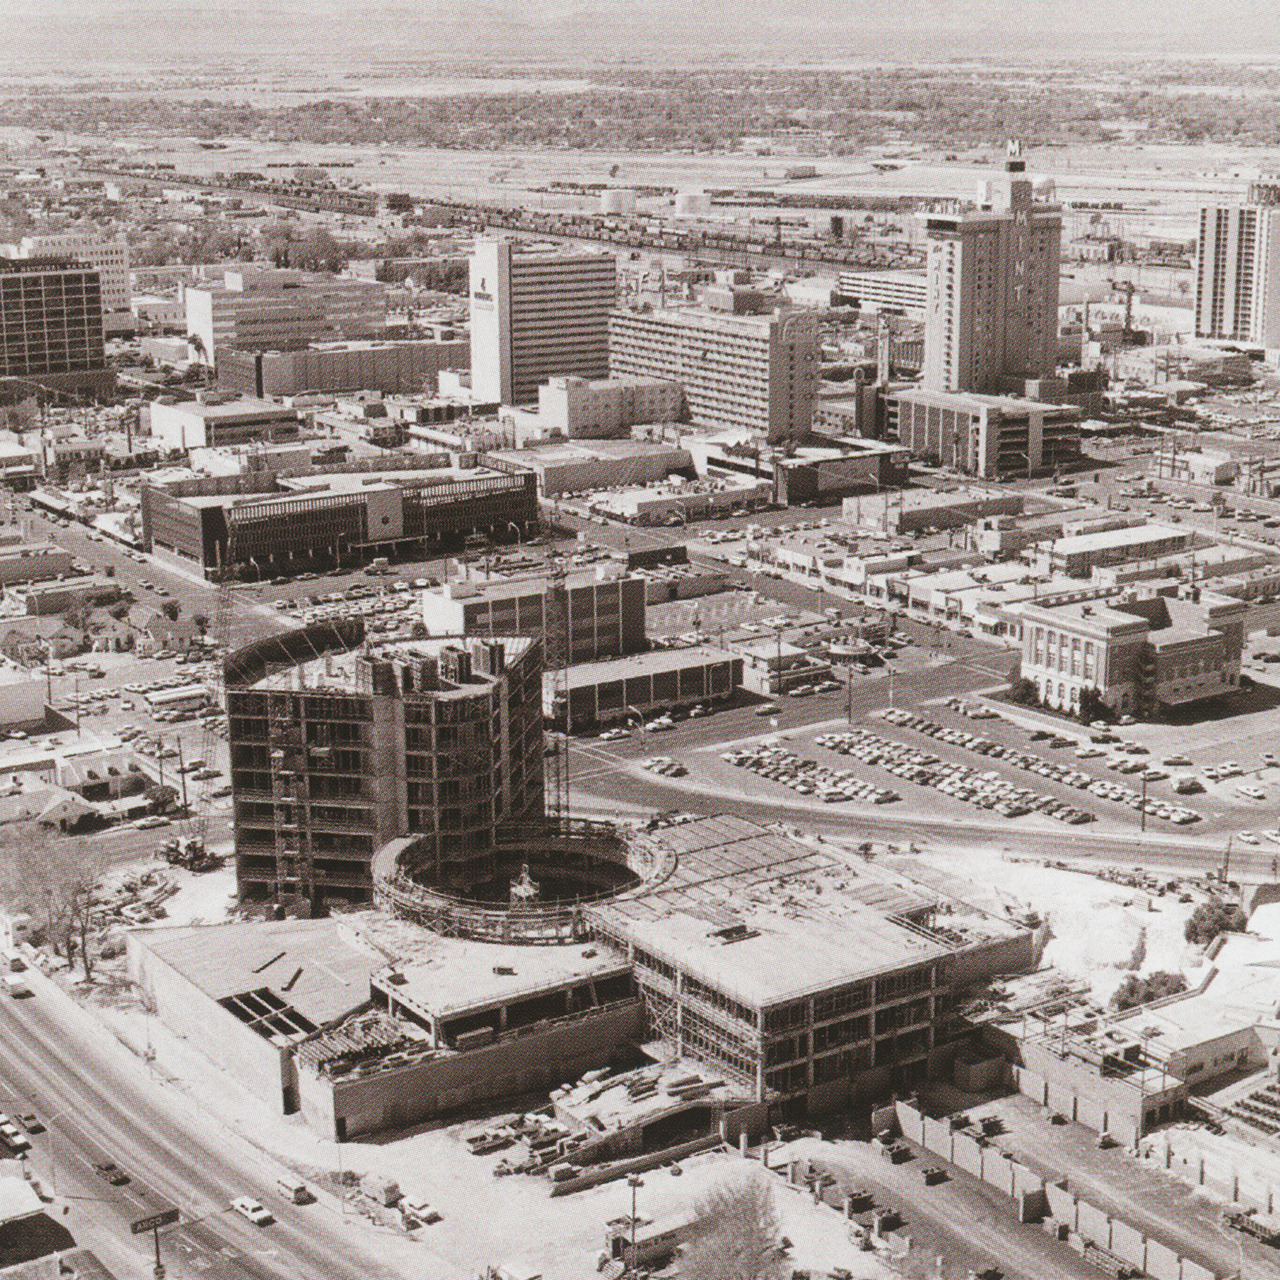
x: 534, y: 887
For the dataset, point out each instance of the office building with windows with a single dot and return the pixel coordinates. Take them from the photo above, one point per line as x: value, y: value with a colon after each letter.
x: 110, y: 258
x: 537, y: 313
x: 259, y: 309
x: 985, y: 435
x: 992, y: 308
x: 1144, y: 656
x: 601, y: 615
x: 51, y: 325
x: 758, y: 372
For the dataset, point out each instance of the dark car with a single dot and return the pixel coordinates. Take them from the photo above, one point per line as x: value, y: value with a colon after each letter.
x: 30, y: 1121
x: 111, y: 1172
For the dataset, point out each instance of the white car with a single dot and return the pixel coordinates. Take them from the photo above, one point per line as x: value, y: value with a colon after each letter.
x: 1253, y: 793
x: 249, y: 1208
x: 146, y: 824
x: 1249, y: 837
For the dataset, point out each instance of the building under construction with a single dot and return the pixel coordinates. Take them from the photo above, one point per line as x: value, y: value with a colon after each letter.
x: 335, y: 754
x: 774, y: 975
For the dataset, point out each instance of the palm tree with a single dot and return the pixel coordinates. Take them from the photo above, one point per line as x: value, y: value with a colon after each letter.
x: 196, y: 343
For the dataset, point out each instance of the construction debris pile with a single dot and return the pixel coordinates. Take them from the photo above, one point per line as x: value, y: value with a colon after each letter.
x: 366, y: 1043
x: 129, y: 897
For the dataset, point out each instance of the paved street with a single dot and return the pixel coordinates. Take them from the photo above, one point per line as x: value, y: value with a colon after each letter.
x: 102, y: 1105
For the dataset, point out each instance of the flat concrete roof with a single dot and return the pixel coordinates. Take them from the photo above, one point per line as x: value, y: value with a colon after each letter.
x: 505, y: 588
x: 975, y: 402
x: 641, y: 664
x: 563, y: 451
x: 248, y: 407
x: 450, y: 976
x: 1099, y: 615
x: 813, y: 920
x: 230, y: 959
x: 1132, y: 536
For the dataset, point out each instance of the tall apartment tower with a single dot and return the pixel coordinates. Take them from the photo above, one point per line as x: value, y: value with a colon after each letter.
x: 109, y: 257
x: 753, y: 371
x: 992, y: 304
x: 334, y: 757
x: 537, y: 313
x: 51, y: 324
x: 1238, y: 269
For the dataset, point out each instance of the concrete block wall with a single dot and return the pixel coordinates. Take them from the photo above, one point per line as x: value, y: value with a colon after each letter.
x: 1093, y: 1224
x: 996, y: 1171
x: 1033, y: 1205
x: 1091, y: 1114
x: 1062, y: 1204
x: 937, y: 1137
x: 1029, y: 1084
x: 1038, y: 1200
x: 966, y: 1154
x: 1129, y: 1243
x: 1163, y: 1262
x: 885, y: 1119
x: 910, y: 1121
x: 1025, y: 1180
x: 1217, y: 1175
x: 1194, y: 1271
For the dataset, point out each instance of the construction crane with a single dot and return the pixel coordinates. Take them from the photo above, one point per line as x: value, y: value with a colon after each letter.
x: 193, y: 846
x: 555, y: 649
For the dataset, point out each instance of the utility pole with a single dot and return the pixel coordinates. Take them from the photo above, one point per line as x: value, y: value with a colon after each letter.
x: 182, y: 770
x: 634, y: 1181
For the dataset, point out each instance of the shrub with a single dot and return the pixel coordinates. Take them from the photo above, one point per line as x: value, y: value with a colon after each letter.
x: 1135, y: 990
x: 1212, y: 918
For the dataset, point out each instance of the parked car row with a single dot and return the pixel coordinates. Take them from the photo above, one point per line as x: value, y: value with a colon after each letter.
x: 1033, y: 763
x: 807, y: 776
x: 985, y: 790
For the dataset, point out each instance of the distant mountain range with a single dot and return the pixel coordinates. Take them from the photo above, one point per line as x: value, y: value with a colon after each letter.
x: 84, y: 36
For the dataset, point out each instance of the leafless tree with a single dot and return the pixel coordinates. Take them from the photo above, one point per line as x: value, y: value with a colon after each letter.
x: 52, y: 879
x: 740, y: 1234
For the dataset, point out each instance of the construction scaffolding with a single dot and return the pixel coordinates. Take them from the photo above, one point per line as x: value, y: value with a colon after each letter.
x: 293, y: 874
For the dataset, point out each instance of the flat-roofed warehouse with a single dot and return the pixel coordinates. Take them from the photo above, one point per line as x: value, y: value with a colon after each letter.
x: 665, y: 680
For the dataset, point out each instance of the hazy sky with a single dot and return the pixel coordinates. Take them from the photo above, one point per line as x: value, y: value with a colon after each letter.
x: 78, y: 34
